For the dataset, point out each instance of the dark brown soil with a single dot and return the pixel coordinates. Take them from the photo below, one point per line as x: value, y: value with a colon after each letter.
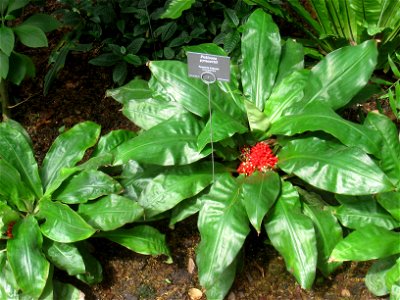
x: 78, y: 95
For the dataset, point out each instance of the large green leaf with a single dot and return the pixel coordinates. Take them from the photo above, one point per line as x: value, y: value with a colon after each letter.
x: 68, y: 149
x: 375, y: 278
x: 261, y: 47
x: 62, y: 223
x: 320, y: 117
x: 223, y: 227
x: 333, y: 167
x: 174, y: 185
x: 31, y: 36
x: 176, y: 7
x: 285, y: 94
x: 134, y: 90
x: 293, y: 235
x: 7, y: 40
x: 292, y: 59
x: 110, y: 212
x: 21, y: 67
x: 393, y: 274
x: 391, y: 202
x: 366, y: 243
x: 28, y: 264
x: 142, y: 239
x: 44, y: 22
x: 64, y: 256
x: 173, y: 142
x: 85, y: 186
x: 13, y: 189
x: 328, y: 234
x: 66, y: 291
x: 261, y: 50
x: 112, y: 140
x: 8, y: 286
x: 7, y: 216
x: 390, y: 147
x: 17, y: 151
x: 93, y: 270
x: 260, y: 190
x: 341, y: 75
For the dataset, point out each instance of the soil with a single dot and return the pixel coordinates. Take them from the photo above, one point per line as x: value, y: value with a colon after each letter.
x: 79, y: 94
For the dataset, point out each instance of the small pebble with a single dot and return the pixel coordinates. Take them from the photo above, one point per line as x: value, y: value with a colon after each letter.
x: 195, y: 294
x: 345, y: 293
x: 191, y: 265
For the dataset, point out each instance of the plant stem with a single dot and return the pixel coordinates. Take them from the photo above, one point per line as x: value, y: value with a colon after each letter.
x: 4, y: 99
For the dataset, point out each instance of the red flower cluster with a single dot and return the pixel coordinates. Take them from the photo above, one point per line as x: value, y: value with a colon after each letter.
x: 259, y: 157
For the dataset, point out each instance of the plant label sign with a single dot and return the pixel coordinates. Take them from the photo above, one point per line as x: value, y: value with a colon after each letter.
x: 209, y: 67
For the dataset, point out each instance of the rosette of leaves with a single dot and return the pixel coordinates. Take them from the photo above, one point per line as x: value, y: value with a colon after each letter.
x: 47, y: 213
x: 15, y: 66
x: 168, y: 169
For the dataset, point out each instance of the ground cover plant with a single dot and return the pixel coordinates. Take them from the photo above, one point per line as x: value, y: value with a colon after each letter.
x: 47, y: 213
x: 285, y: 160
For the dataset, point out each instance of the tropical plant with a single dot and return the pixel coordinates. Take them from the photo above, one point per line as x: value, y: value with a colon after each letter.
x: 15, y: 66
x: 47, y: 213
x: 272, y: 152
x: 334, y: 24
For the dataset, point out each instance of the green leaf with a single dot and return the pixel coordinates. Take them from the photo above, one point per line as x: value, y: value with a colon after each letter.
x: 391, y: 202
x: 285, y: 94
x: 393, y: 274
x: 110, y: 212
x: 31, y: 36
x: 390, y: 148
x: 8, y: 286
x: 174, y: 185
x: 333, y: 167
x: 364, y: 211
x: 172, y: 82
x: 7, y: 216
x: 21, y: 67
x: 28, y: 264
x: 184, y: 209
x: 341, y: 75
x: 173, y: 142
x: 120, y: 72
x: 375, y: 278
x: 293, y: 235
x: 7, y: 40
x: 17, y: 151
x: 142, y: 239
x: 45, y: 22
x: 137, y: 89
x: 394, y: 68
x: 93, y: 270
x: 319, y: 117
x: 366, y: 243
x: 85, y: 186
x: 63, y: 290
x: 62, y: 223
x: 328, y: 234
x: 14, y: 189
x: 176, y: 7
x: 68, y: 149
x: 64, y: 256
x: 223, y: 229
x: 231, y: 40
x: 5, y: 65
x: 258, y: 120
x: 112, y: 140
x: 260, y: 190
x: 292, y: 59
x: 13, y: 5
x: 105, y: 60
x: 261, y: 50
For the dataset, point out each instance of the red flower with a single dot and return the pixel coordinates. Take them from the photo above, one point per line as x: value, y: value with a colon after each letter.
x: 259, y: 157
x: 9, y: 229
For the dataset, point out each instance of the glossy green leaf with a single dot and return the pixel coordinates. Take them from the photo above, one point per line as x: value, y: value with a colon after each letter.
x: 293, y: 235
x: 21, y: 66
x: 292, y: 59
x: 28, y: 264
x: 8, y: 286
x: 176, y: 7
x: 7, y: 40
x: 223, y: 229
x: 261, y: 50
x: 62, y: 223
x: 45, y: 22
x: 341, y: 75
x: 5, y: 65
x: 173, y: 142
x: 173, y: 83
x: 365, y: 211
x: 390, y: 148
x: 333, y: 167
x: 366, y: 243
x: 137, y: 89
x: 395, y: 292
x: 328, y: 233
x: 391, y: 202
x: 112, y: 140
x: 14, y: 5
x: 7, y: 215
x: 393, y: 274
x: 85, y: 186
x: 14, y: 189
x: 174, y: 185
x: 66, y: 291
x: 375, y: 278
x: 31, y: 36
x: 17, y: 151
x: 319, y: 117
x: 258, y: 120
x: 183, y: 210
x: 142, y: 239
x: 110, y: 212
x: 93, y: 270
x: 64, y: 256
x: 68, y: 149
x: 285, y: 94
x: 260, y: 190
